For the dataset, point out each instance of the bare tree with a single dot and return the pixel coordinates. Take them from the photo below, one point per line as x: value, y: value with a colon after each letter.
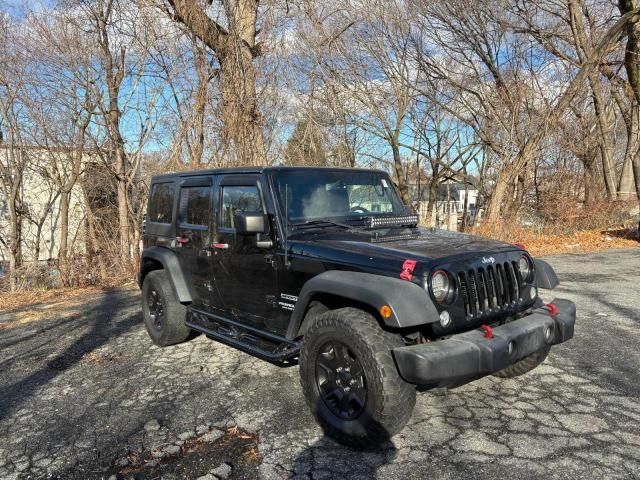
x: 232, y: 39
x: 632, y: 66
x: 62, y: 106
x: 13, y: 158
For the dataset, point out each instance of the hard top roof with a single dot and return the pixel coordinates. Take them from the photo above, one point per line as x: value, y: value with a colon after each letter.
x: 246, y: 170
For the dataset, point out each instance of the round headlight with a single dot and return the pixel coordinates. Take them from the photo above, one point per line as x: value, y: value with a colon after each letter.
x: 525, y: 267
x: 441, y: 286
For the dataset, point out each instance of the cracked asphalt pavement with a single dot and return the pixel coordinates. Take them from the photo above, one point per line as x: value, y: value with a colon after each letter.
x: 87, y: 395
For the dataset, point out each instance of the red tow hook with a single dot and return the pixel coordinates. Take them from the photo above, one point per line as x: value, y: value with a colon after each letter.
x: 488, y: 331
x: 553, y: 310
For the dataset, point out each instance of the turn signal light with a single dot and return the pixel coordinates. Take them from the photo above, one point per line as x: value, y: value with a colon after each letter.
x: 386, y: 311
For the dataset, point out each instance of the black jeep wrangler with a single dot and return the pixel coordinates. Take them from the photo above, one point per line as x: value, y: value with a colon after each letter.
x: 327, y: 266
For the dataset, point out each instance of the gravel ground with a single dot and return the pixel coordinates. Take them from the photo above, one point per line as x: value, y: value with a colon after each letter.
x: 88, y: 396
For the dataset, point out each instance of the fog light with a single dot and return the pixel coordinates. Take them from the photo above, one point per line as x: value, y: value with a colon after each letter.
x: 533, y: 293
x: 548, y: 334
x: 512, y: 347
x: 445, y: 318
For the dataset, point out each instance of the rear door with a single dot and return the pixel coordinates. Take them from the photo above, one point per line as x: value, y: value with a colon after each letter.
x: 194, y: 236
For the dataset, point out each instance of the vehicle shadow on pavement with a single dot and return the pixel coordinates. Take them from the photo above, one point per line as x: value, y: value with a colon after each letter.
x: 327, y: 458
x: 100, y: 329
x: 552, y: 423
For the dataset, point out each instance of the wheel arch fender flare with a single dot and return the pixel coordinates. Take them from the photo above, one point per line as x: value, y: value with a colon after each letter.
x: 171, y: 264
x: 410, y: 304
x: 545, y: 274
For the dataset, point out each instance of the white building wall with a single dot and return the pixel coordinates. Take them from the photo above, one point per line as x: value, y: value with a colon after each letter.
x: 39, y: 196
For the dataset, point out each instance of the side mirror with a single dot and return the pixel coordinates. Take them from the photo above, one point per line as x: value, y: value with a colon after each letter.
x: 248, y: 223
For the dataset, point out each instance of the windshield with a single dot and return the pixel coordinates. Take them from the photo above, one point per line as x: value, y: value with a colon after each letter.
x: 335, y: 194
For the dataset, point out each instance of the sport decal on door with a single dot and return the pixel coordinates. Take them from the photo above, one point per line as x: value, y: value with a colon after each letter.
x: 287, y: 305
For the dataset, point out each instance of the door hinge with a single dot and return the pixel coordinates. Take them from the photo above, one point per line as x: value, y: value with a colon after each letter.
x: 270, y: 259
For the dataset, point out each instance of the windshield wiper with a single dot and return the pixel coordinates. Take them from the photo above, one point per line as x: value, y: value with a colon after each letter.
x: 319, y: 223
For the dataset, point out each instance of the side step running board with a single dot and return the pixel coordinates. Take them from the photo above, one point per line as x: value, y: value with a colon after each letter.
x: 262, y: 344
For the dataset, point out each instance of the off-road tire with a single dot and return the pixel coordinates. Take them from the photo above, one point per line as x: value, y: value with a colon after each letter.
x: 390, y: 400
x: 173, y: 328
x: 525, y: 365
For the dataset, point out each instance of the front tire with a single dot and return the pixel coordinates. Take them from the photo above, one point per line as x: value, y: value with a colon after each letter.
x: 164, y: 316
x: 350, y: 380
x: 525, y: 365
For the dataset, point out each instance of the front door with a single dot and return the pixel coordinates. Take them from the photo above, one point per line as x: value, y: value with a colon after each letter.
x: 244, y: 271
x: 194, y: 237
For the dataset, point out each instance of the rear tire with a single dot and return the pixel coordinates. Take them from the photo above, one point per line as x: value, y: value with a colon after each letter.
x: 525, y: 365
x: 350, y: 380
x: 164, y: 316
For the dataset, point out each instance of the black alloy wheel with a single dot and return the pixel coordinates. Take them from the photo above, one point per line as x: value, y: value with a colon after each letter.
x: 350, y: 379
x: 156, y: 309
x: 163, y: 315
x: 340, y: 380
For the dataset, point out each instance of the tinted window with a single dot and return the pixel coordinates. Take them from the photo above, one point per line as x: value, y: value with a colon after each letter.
x: 195, y: 205
x: 238, y: 199
x: 161, y: 203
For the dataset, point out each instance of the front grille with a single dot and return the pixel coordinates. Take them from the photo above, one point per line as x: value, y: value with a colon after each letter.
x: 490, y: 289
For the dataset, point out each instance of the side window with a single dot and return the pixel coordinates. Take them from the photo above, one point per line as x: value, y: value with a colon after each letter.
x: 238, y: 198
x: 161, y: 203
x: 195, y: 205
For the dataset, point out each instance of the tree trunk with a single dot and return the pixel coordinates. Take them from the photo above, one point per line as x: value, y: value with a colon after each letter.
x: 123, y: 216
x: 121, y: 163
x: 64, y: 236
x: 465, y: 208
x: 15, y: 241
x: 519, y: 194
x: 399, y: 172
x: 590, y: 178
x: 606, y: 153
x: 499, y: 196
x: 199, y: 106
x: 636, y: 172
x: 433, y: 193
x: 626, y: 186
x: 242, y: 129
x: 36, y: 244
x: 235, y: 49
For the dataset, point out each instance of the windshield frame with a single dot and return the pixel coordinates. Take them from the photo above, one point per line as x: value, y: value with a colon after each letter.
x: 356, y: 219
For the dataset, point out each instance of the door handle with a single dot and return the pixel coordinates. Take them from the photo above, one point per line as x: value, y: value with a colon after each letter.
x: 220, y: 246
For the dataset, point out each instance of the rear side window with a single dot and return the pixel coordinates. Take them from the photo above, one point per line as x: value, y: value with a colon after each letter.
x: 238, y: 199
x: 195, y: 205
x: 161, y: 203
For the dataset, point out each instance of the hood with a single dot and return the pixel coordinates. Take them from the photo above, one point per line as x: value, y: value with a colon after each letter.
x: 424, y: 244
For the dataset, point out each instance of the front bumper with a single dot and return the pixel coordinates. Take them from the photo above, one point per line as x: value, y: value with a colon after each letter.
x: 467, y: 356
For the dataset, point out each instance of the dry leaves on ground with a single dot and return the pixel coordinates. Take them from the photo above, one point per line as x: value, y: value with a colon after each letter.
x: 554, y: 243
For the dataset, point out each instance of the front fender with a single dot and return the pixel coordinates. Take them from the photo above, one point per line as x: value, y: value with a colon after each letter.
x: 410, y: 304
x: 170, y: 263
x: 545, y: 274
